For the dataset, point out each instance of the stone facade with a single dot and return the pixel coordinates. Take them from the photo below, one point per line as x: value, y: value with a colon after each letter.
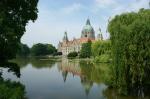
x: 88, y: 34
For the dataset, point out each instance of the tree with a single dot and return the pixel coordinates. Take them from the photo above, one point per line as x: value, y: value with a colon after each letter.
x: 72, y: 54
x: 86, y: 50
x: 14, y: 16
x: 101, y: 50
x: 42, y: 49
x: 101, y: 47
x: 130, y: 37
x: 50, y: 49
x: 23, y: 50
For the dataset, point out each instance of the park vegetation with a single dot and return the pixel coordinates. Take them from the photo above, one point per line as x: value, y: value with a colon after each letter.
x: 101, y: 51
x: 42, y: 49
x: 14, y: 16
x: 130, y: 38
x: 36, y: 50
x: 72, y: 55
x: 11, y: 89
x: 86, y: 50
x: 23, y: 51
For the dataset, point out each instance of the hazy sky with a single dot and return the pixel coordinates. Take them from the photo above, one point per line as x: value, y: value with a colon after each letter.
x: 57, y: 16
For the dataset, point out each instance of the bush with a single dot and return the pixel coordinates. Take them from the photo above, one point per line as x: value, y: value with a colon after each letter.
x: 72, y: 54
x: 11, y: 90
x: 57, y: 53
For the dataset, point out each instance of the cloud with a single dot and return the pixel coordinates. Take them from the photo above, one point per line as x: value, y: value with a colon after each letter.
x: 72, y: 8
x: 134, y: 6
x: 106, y: 3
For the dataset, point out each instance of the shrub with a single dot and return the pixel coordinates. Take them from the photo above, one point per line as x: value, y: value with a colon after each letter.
x: 72, y: 54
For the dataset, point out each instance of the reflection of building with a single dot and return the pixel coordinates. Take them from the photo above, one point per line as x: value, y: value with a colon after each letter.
x: 64, y: 74
x: 71, y: 67
x: 74, y: 68
x: 88, y: 34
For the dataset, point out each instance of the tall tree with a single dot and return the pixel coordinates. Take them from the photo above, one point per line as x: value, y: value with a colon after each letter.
x: 130, y: 37
x: 86, y: 50
x: 14, y: 16
x: 23, y: 50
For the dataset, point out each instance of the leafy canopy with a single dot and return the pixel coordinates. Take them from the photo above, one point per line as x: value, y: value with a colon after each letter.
x: 86, y: 50
x: 72, y: 54
x: 14, y: 16
x: 130, y: 37
x: 42, y: 49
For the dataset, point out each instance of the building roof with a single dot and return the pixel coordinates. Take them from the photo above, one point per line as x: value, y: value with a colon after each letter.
x: 88, y: 27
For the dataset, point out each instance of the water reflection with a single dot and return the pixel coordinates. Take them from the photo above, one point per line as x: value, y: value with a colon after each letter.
x: 65, y: 79
x: 86, y: 70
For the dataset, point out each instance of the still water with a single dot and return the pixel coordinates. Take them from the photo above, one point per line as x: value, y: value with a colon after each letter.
x: 63, y: 79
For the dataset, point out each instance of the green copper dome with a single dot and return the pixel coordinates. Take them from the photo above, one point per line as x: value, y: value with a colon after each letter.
x: 88, y: 30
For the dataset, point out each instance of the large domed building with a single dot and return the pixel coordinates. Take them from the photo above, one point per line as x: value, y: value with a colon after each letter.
x: 88, y: 31
x: 87, y: 34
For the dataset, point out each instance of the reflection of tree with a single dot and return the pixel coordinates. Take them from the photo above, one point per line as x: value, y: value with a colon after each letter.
x: 22, y: 62
x: 9, y: 89
x: 12, y: 67
x: 112, y: 94
x: 37, y: 63
x: 86, y: 84
x: 95, y: 72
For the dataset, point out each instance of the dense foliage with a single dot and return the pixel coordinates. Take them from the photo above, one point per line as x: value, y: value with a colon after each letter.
x: 42, y: 49
x: 130, y: 37
x: 101, y: 50
x: 14, y: 16
x: 86, y: 50
x: 23, y: 50
x: 72, y: 54
x: 57, y: 54
x: 11, y: 89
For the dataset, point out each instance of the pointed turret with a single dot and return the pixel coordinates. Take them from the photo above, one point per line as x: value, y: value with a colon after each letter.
x: 100, y: 35
x: 64, y: 74
x: 65, y: 38
x: 88, y: 22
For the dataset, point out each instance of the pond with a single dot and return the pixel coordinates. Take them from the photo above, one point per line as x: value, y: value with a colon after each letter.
x: 63, y: 79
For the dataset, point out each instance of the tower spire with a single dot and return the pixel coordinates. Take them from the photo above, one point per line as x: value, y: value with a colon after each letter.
x: 100, y: 35
x: 65, y: 36
x: 88, y: 22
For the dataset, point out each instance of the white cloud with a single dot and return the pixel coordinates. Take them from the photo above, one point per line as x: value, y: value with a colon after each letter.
x: 106, y: 3
x: 72, y: 8
x: 134, y: 6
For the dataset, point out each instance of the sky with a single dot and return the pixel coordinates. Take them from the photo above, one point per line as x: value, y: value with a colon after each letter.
x: 57, y: 16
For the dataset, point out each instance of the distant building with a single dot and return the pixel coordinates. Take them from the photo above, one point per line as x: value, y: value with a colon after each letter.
x: 87, y: 34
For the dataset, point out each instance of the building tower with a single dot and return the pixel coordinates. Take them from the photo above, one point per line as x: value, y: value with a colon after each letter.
x: 65, y: 38
x: 88, y: 31
x: 100, y: 35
